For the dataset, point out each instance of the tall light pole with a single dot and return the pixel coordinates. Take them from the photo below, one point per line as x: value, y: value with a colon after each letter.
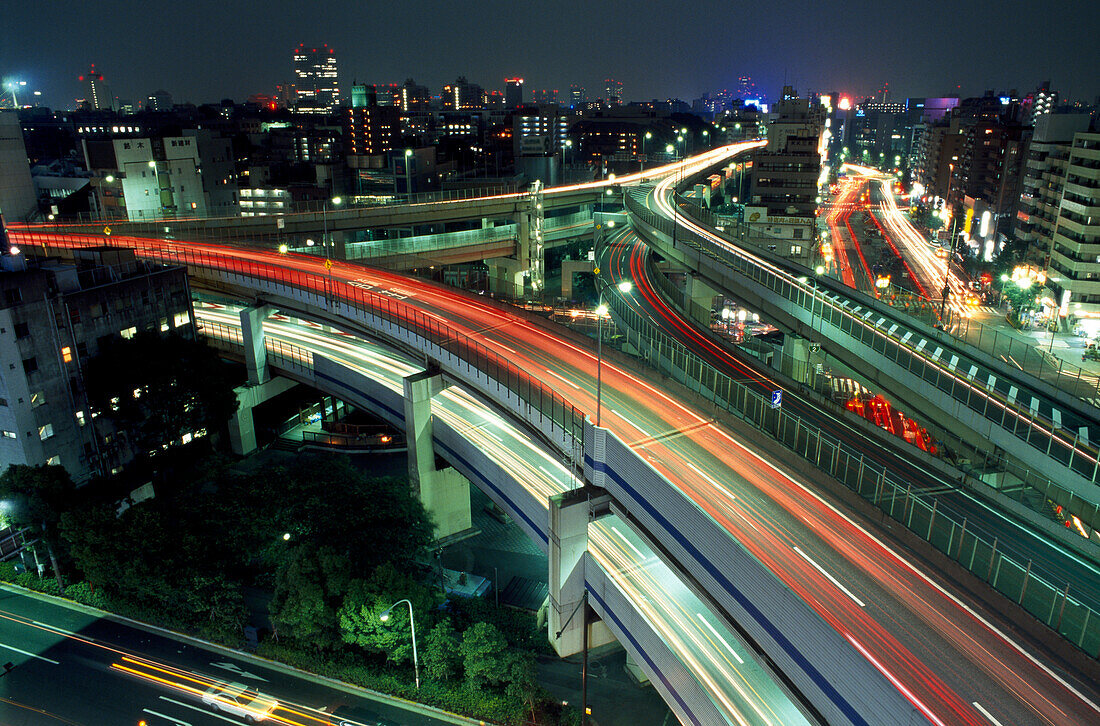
x: 647, y: 137
x: 565, y: 159
x: 385, y: 615
x: 408, y: 177
x: 624, y: 287
x: 156, y: 178
x: 670, y: 148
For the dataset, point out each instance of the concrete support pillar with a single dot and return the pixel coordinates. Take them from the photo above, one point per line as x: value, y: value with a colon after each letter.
x: 523, y: 239
x: 255, y: 351
x: 339, y: 250
x: 242, y: 430
x: 567, y: 615
x: 505, y: 277
x: 635, y: 671
x: 568, y: 269
x: 796, y: 358
x: 698, y: 299
x: 444, y: 493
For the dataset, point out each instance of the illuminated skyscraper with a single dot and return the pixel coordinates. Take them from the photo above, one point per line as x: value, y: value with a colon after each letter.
x: 577, y: 96
x: 97, y: 95
x: 614, y: 91
x: 318, y: 89
x: 513, y: 92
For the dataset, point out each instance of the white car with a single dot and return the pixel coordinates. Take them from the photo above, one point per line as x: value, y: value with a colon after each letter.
x: 235, y: 698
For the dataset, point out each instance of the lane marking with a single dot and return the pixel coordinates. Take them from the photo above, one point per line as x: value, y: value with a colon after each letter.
x: 832, y: 579
x: 720, y: 638
x: 628, y: 542
x: 173, y: 719
x: 54, y: 627
x: 32, y: 655
x: 987, y: 714
x: 562, y: 379
x: 208, y: 712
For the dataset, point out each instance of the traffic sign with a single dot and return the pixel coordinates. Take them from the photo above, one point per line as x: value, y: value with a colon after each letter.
x: 777, y: 399
x: 107, y: 230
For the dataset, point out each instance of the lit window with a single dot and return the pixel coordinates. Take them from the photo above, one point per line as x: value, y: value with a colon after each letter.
x: 9, y: 434
x: 45, y: 432
x: 163, y: 325
x: 80, y: 418
x: 128, y: 333
x: 180, y: 319
x: 54, y: 461
x: 67, y: 354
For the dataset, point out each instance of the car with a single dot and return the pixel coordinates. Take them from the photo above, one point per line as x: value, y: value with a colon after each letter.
x: 238, y: 700
x: 359, y: 716
x: 975, y: 286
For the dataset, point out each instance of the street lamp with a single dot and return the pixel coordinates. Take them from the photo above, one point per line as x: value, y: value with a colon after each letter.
x: 385, y: 615
x: 156, y: 177
x: 647, y: 137
x: 408, y: 178
x: 601, y: 310
x: 564, y: 159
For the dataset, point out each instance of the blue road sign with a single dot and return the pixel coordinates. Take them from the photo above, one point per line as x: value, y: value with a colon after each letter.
x: 777, y: 399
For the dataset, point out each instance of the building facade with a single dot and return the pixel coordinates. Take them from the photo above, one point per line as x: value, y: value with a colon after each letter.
x: 317, y: 84
x: 1073, y: 274
x: 54, y: 317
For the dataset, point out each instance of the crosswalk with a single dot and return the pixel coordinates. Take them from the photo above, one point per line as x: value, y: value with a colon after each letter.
x: 988, y: 309
x: 847, y: 388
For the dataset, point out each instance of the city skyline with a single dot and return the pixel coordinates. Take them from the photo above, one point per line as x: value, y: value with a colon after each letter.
x: 208, y: 51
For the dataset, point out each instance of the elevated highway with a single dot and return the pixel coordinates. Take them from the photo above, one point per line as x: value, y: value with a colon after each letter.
x: 859, y: 632
x: 690, y: 655
x: 997, y: 409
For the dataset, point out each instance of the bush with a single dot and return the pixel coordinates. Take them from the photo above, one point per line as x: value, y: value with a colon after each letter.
x: 85, y: 594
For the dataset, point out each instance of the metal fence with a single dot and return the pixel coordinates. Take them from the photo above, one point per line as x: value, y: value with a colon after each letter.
x: 285, y: 355
x: 868, y: 329
x: 1051, y: 603
x: 384, y: 314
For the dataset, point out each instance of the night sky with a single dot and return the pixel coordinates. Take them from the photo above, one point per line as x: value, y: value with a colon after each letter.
x: 205, y: 50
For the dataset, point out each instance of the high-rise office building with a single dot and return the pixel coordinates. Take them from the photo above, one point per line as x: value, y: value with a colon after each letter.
x: 746, y: 88
x: 415, y: 99
x: 545, y: 96
x: 462, y: 96
x: 577, y: 96
x: 97, y: 94
x: 614, y: 92
x: 160, y: 100
x: 318, y: 86
x: 513, y: 92
x: 371, y: 130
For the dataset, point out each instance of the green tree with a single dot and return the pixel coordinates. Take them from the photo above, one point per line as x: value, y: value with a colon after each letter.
x: 160, y: 388
x: 330, y: 503
x: 440, y: 655
x: 483, y: 655
x: 154, y: 560
x: 310, y: 586
x: 360, y: 621
x: 520, y: 677
x: 37, y: 497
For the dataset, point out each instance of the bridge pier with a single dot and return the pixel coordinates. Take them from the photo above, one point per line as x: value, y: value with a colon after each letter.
x: 568, y: 269
x: 242, y: 429
x: 698, y: 299
x: 506, y: 277
x: 255, y: 350
x: 569, y: 613
x: 445, y: 493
